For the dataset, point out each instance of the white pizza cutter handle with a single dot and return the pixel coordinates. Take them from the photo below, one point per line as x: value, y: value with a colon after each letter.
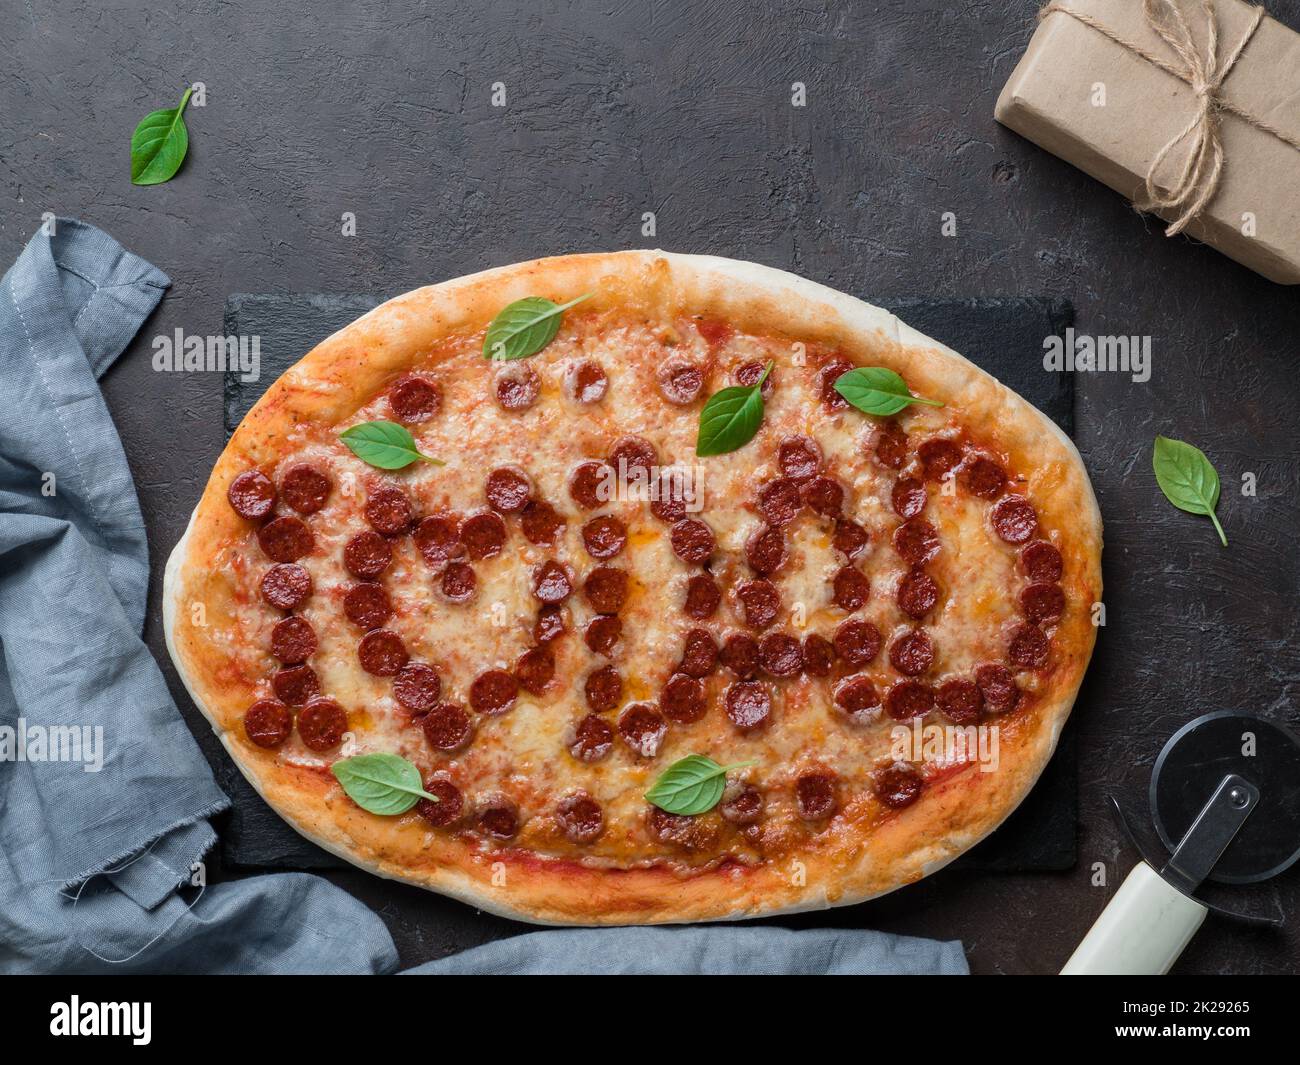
x: 1153, y: 915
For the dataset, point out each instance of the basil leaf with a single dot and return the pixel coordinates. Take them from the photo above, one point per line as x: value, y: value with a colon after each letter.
x: 691, y: 785
x: 1187, y: 479
x: 385, y: 784
x: 387, y: 445
x: 524, y: 328
x: 159, y: 144
x: 730, y: 418
x: 876, y: 390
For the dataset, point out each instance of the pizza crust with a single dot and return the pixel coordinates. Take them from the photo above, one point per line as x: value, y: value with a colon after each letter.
x: 348, y: 368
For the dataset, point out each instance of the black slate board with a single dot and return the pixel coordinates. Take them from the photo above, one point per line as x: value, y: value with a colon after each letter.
x: 1002, y: 335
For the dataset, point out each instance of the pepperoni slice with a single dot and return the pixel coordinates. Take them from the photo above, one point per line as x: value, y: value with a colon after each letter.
x: 759, y: 602
x: 268, y: 723
x: 939, y: 457
x: 367, y: 555
x: 961, y: 701
x: 483, y: 535
x: 321, y: 724
x: 680, y: 381
x: 549, y: 624
x: 633, y: 453
x: 780, y: 654
x: 493, y: 692
x: 916, y: 541
x: 518, y: 388
x: 818, y: 655
x: 851, y: 589
x: 389, y: 511
x: 908, y: 497
x: 897, y: 785
x: 414, y: 399
x: 1028, y: 648
x: 449, y: 807
x: 285, y: 539
x: 590, y: 485
x: 857, y: 642
x: 367, y: 606
x: 603, y: 633
x: 692, y: 540
x: 552, y: 582
x: 304, y: 488
x: 779, y: 501
x: 858, y: 698
x: 699, y: 654
x: 592, y: 739
x: 604, y: 537
x: 643, y: 729
x: 850, y: 538
x: 891, y: 446
x: 917, y: 593
x: 742, y: 804
x: 680, y: 830
x: 799, y: 457
x: 251, y: 494
x: 580, y: 818
x: 498, y: 817
x: 998, y: 687
x: 417, y: 687
x: 740, y: 655
x: 682, y: 699
x: 983, y: 477
x: 912, y: 653
x: 908, y: 699
x: 815, y: 796
x: 826, y: 384
x: 540, y: 522
x: 1041, y: 562
x: 606, y: 589
x: 382, y: 653
x: 447, y: 728
x: 285, y: 585
x: 751, y: 373
x: 749, y: 705
x: 296, y: 686
x: 458, y: 582
x: 1014, y: 519
x: 1042, y: 602
x: 603, y: 688
x: 535, y: 670
x: 293, y: 640
x: 825, y: 496
x: 703, y: 597
x: 438, y: 540
x: 765, y: 551
x: 507, y: 489
x: 668, y: 498
x: 587, y: 382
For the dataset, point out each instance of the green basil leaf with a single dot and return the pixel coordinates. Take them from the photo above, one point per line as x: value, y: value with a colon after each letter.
x: 876, y: 390
x: 387, y: 445
x: 159, y: 144
x: 524, y: 328
x: 1187, y: 479
x: 730, y: 418
x: 385, y: 784
x: 691, y: 785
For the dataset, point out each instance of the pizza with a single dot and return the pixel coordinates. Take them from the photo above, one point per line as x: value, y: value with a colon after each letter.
x: 633, y: 672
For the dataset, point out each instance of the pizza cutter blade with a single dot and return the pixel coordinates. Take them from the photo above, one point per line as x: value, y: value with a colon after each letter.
x: 1225, y: 798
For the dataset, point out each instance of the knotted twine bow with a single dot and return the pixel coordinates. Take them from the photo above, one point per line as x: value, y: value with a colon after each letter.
x: 1202, y: 169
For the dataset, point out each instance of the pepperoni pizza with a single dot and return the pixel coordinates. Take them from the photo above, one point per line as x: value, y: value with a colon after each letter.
x: 547, y: 621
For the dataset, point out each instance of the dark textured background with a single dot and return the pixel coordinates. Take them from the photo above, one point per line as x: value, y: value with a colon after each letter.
x: 316, y: 108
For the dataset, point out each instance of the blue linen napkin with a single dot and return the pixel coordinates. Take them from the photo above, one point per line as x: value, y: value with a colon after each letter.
x: 104, y: 795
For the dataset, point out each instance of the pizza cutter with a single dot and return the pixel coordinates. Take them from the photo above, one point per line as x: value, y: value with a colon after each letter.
x: 1225, y: 797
